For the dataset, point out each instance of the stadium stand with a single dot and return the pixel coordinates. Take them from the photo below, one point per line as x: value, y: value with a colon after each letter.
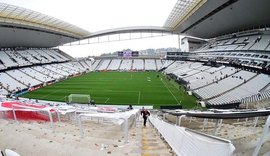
x: 138, y: 64
x: 115, y: 64
x: 257, y: 99
x: 77, y: 65
x: 268, y: 87
x: 38, y: 56
x: 167, y: 63
x: 24, y: 69
x: 7, y: 61
x: 248, y: 42
x: 172, y: 66
x: 104, y: 64
x: 206, y: 77
x: 95, y: 64
x: 16, y: 57
x: 29, y: 57
x: 159, y: 64
x: 48, y: 72
x: 2, y: 66
x: 23, y: 78
x: 46, y: 54
x: 3, y: 91
x: 89, y: 63
x: 188, y: 68
x: 249, y: 88
x: 226, y: 83
x: 150, y: 64
x: 245, y: 48
x: 37, y: 75
x: 126, y: 64
x: 84, y: 64
x: 57, y: 55
x: 10, y: 83
x: 57, y: 69
x: 70, y: 66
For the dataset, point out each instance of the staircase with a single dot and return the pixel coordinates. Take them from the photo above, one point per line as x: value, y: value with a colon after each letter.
x: 156, y: 64
x: 132, y: 61
x: 143, y: 64
x: 119, y: 65
x: 108, y: 65
x: 99, y: 64
x: 81, y: 64
x: 149, y: 141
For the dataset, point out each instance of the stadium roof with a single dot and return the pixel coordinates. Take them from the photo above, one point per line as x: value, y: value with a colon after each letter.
x: 10, y: 14
x: 212, y: 18
x: 200, y: 18
x: 151, y: 29
x: 181, y: 11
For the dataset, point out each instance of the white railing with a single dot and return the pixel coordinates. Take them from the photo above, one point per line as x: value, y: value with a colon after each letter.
x: 119, y: 118
x: 263, y: 137
x: 28, y: 108
x: 186, y: 142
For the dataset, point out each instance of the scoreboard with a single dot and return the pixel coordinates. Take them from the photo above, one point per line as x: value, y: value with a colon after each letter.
x: 177, y: 55
x: 135, y: 54
x: 120, y: 54
x: 128, y: 53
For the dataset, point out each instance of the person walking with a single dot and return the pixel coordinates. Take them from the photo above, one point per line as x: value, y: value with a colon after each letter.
x: 130, y: 107
x: 145, y: 113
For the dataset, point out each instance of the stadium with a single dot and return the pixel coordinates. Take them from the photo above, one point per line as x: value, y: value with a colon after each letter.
x: 210, y: 96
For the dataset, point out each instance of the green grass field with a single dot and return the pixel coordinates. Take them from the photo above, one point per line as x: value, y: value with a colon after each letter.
x: 136, y: 88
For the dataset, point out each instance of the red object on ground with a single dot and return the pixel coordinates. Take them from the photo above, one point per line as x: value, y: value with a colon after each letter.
x: 9, y: 104
x: 26, y: 115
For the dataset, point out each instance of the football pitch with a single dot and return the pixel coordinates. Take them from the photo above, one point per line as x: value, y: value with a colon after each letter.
x: 119, y: 88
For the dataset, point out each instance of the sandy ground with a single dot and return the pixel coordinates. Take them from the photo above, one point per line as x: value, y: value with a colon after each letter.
x: 32, y: 138
x: 36, y: 138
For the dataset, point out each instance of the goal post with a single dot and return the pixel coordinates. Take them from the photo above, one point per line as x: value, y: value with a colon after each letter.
x: 79, y: 98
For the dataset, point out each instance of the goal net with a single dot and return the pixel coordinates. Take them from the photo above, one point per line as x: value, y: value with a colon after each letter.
x: 79, y: 98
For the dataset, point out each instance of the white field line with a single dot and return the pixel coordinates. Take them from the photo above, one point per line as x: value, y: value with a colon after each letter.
x: 170, y: 92
x: 122, y: 91
x: 51, y: 93
x: 107, y: 100
x: 139, y: 98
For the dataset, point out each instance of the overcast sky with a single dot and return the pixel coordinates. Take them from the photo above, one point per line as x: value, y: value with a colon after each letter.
x: 96, y: 15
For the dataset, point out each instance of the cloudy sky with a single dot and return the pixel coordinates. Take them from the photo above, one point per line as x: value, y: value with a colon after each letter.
x: 96, y: 15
